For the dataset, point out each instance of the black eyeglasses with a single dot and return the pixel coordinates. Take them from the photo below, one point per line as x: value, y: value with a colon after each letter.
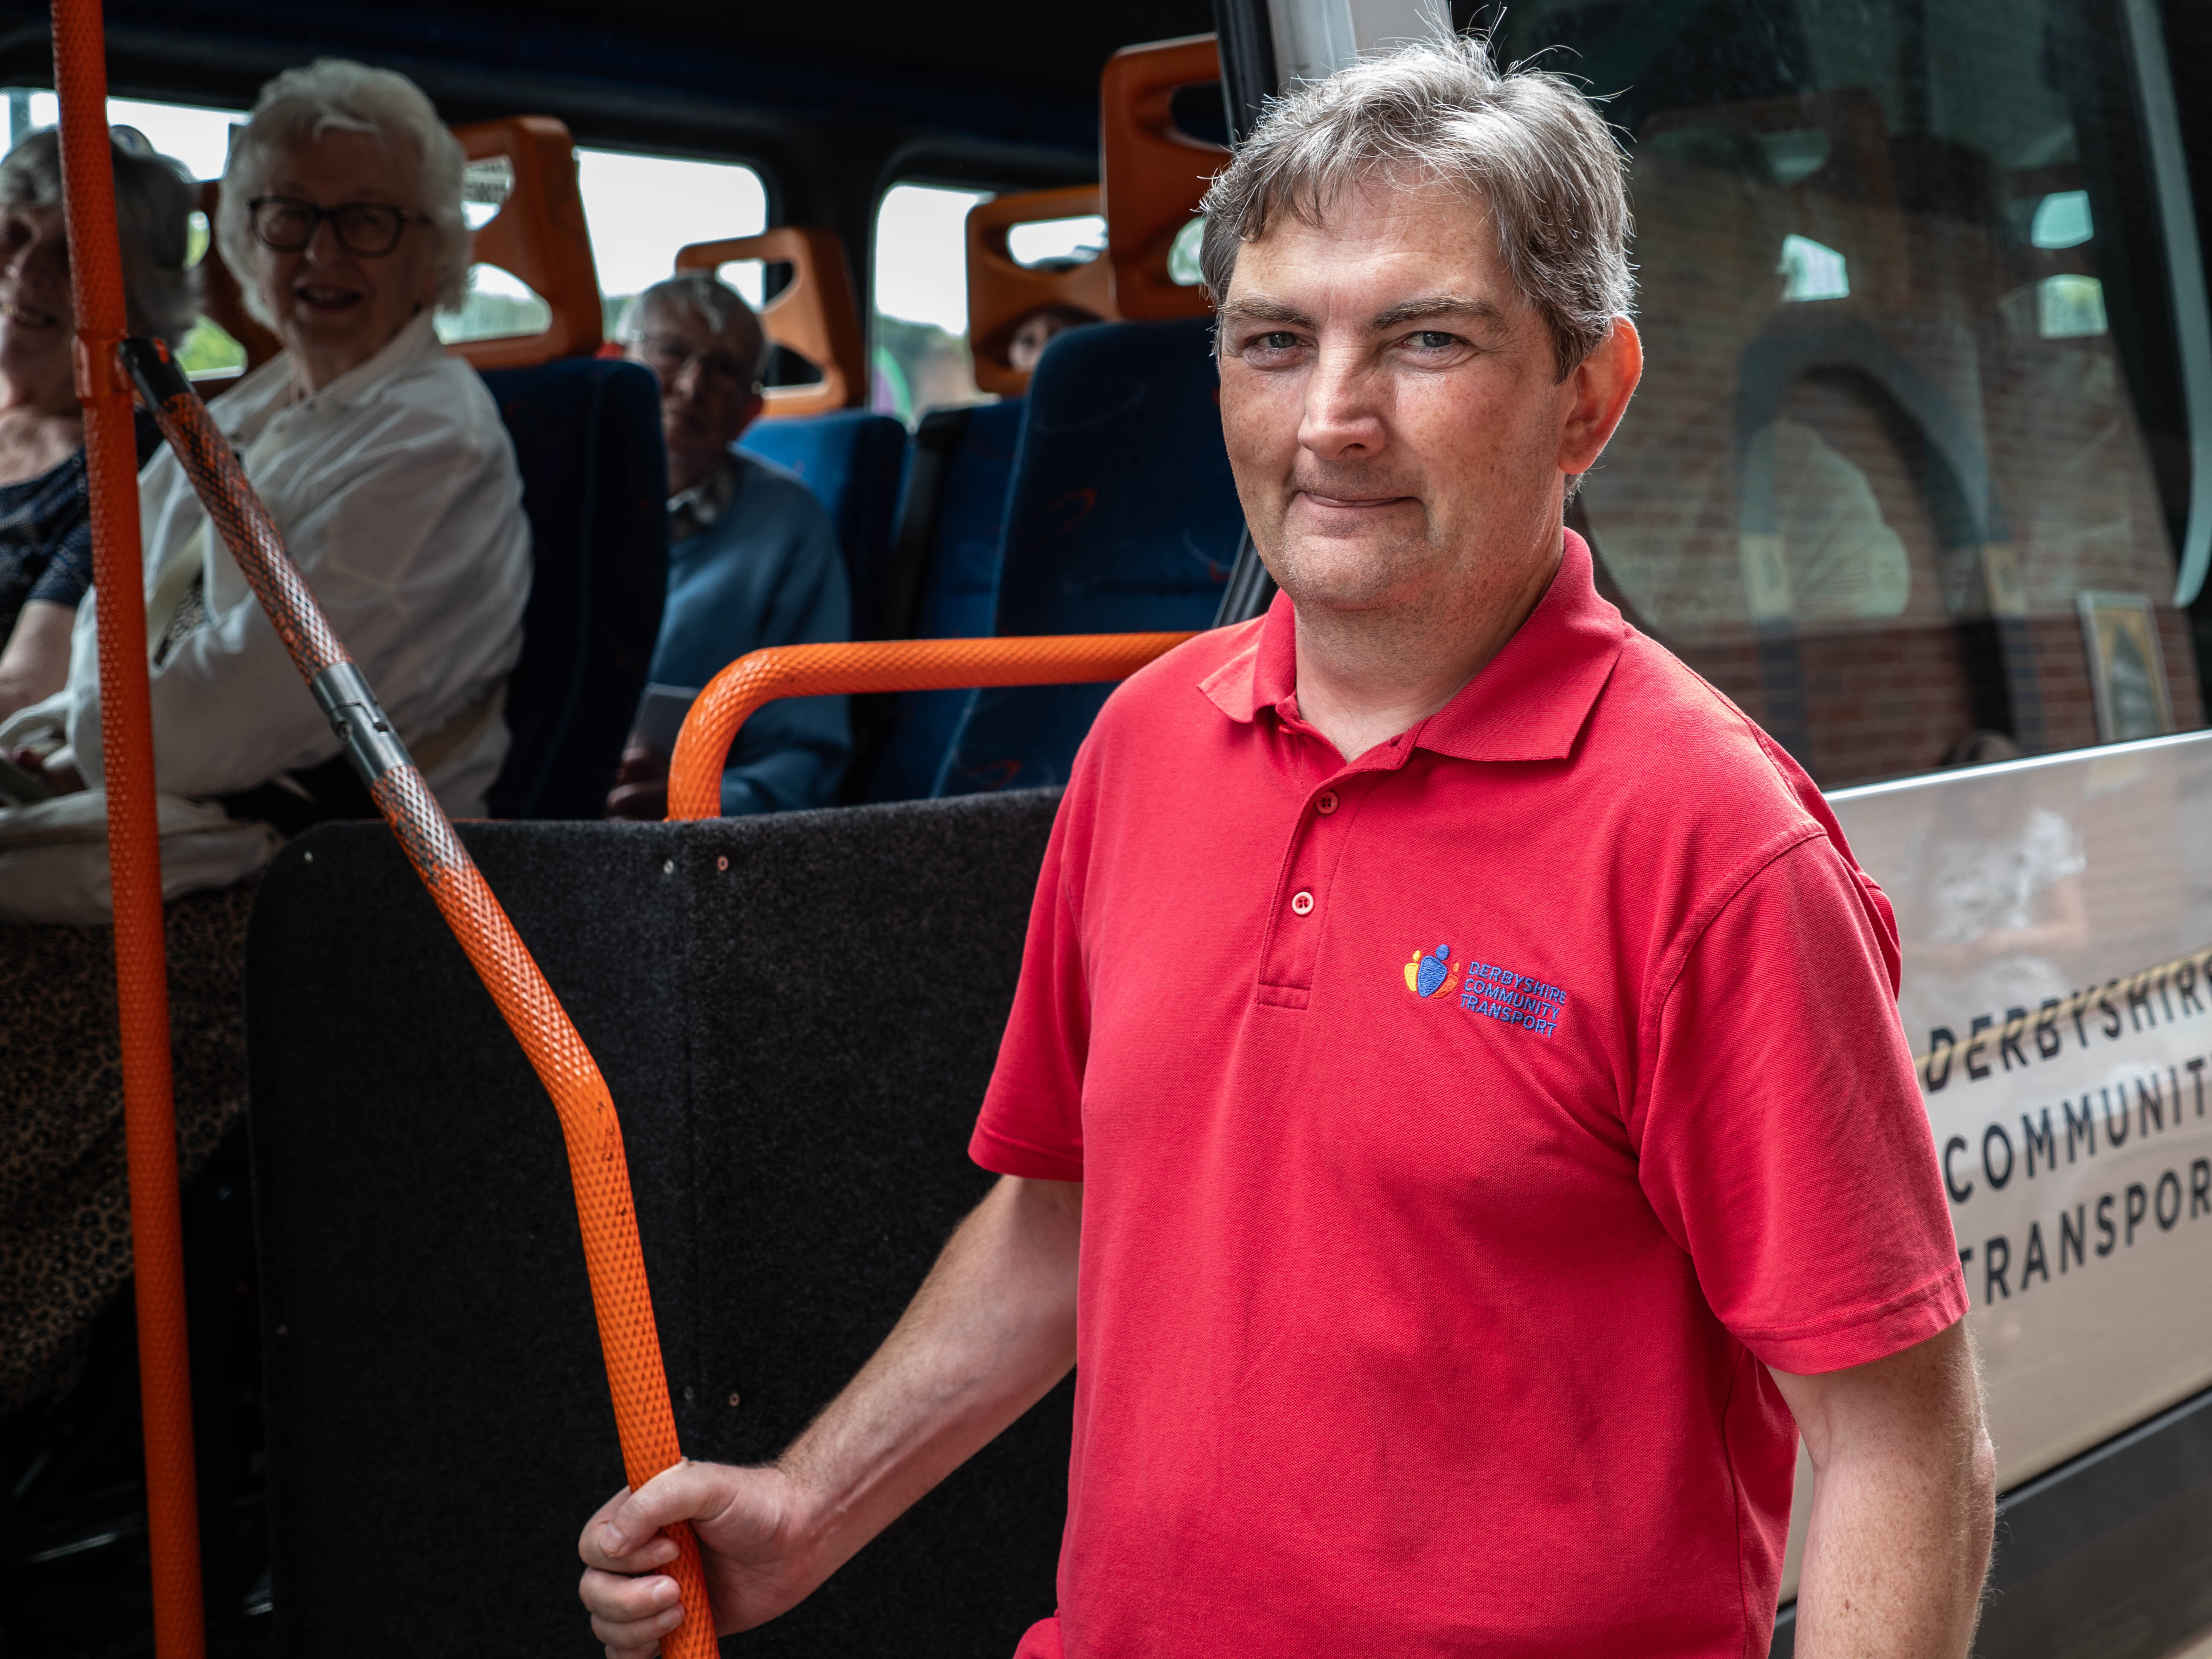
x: 668, y: 355
x: 368, y: 230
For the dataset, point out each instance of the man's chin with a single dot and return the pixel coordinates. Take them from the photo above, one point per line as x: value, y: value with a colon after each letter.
x: 1349, y: 571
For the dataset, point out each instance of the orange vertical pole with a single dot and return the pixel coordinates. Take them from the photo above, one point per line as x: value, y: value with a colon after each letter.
x: 134, y: 848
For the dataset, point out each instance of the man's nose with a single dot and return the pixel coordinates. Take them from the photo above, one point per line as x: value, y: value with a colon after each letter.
x: 1343, y: 412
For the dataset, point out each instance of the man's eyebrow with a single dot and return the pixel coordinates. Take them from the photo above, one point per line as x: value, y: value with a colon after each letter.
x: 1440, y: 304
x: 1264, y: 311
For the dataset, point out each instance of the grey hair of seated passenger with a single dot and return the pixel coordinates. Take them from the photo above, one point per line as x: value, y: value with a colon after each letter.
x: 716, y: 304
x: 1522, y: 142
x: 336, y: 94
x: 153, y: 221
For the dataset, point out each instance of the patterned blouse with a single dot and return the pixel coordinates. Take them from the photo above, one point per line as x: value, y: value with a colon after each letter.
x: 45, y: 534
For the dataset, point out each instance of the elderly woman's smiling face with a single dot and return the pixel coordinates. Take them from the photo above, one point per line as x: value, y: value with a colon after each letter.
x: 335, y: 299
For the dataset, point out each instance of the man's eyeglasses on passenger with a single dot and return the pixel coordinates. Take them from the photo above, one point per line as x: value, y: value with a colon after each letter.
x: 668, y: 355
x: 368, y: 230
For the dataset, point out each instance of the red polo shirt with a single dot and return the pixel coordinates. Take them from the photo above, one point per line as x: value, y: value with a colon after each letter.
x: 1464, y: 1130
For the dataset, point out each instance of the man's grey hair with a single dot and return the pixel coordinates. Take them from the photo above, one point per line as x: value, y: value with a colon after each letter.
x: 716, y: 304
x: 1523, y: 141
x: 153, y: 221
x: 334, y: 95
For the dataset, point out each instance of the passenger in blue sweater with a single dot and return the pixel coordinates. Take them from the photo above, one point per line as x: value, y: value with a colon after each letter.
x: 753, y: 560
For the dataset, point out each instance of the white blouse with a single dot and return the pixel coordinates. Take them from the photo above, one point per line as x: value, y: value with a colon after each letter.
x: 396, y: 488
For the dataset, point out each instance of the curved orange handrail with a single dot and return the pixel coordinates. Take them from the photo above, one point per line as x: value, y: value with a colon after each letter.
x: 614, y: 1262
x: 134, y: 845
x: 694, y: 775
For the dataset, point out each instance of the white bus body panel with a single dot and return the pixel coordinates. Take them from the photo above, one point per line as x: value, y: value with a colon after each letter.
x: 2088, y: 1263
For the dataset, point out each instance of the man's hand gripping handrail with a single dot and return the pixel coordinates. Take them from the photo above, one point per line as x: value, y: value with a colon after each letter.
x: 604, y: 1212
x: 694, y: 775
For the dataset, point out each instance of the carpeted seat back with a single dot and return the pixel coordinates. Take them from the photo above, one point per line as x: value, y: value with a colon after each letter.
x: 797, y: 1043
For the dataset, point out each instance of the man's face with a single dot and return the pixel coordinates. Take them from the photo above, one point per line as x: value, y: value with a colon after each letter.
x: 1389, y: 403
x: 706, y: 395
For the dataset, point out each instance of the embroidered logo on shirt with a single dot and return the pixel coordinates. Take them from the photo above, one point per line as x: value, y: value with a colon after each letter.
x: 1514, y: 998
x: 1432, y: 976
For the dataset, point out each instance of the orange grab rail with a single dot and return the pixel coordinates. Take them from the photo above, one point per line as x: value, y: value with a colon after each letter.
x: 134, y: 845
x: 613, y: 1256
x: 694, y: 774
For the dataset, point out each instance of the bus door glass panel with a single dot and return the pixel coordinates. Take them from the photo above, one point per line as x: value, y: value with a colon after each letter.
x: 920, y: 359
x: 1888, y: 434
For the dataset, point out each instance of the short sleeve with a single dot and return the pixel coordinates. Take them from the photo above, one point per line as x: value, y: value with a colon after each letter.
x: 1783, y: 1142
x: 1032, y: 1123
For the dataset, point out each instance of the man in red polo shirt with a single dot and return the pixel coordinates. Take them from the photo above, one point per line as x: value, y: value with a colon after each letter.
x: 1453, y: 1111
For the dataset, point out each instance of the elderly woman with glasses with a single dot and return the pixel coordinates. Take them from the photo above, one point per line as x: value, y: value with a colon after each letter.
x: 385, y: 464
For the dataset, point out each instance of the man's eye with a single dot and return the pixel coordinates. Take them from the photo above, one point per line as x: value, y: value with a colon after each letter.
x: 1431, y: 339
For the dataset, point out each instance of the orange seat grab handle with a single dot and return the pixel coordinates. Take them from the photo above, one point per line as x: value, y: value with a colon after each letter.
x: 694, y: 775
x: 612, y: 1257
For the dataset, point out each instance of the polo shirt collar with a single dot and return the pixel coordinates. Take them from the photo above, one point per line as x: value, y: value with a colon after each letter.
x: 1528, y: 704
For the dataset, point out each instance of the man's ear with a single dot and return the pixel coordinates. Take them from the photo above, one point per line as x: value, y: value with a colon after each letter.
x: 751, y: 411
x: 1598, y: 389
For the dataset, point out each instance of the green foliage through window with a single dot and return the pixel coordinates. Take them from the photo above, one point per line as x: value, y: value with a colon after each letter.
x: 208, y: 351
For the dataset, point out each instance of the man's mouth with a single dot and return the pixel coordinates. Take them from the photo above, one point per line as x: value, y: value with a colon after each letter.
x: 326, y: 297
x: 1352, y: 504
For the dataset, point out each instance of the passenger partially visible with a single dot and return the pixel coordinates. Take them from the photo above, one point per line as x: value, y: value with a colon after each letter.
x: 385, y: 464
x: 753, y: 560
x: 1035, y: 332
x: 46, y: 522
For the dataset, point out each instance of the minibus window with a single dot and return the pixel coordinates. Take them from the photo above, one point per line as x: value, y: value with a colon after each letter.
x: 919, y: 324
x: 1891, y: 477
x: 640, y: 209
x: 1053, y: 244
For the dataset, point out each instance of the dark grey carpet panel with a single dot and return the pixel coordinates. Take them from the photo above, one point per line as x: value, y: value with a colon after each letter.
x: 797, y: 1043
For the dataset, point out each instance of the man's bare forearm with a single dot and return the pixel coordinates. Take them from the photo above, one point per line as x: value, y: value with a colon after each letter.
x: 986, y: 1336
x: 1903, y: 1505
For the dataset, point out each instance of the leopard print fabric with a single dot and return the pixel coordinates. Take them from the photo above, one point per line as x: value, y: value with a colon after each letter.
x: 64, y: 1198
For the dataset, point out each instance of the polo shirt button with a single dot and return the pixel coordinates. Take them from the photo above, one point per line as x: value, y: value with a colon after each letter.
x: 1302, y: 904
x: 1325, y: 803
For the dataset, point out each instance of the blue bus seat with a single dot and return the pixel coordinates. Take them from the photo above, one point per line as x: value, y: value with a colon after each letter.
x: 959, y: 530
x: 853, y: 461
x: 1122, y: 517
x: 586, y: 435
